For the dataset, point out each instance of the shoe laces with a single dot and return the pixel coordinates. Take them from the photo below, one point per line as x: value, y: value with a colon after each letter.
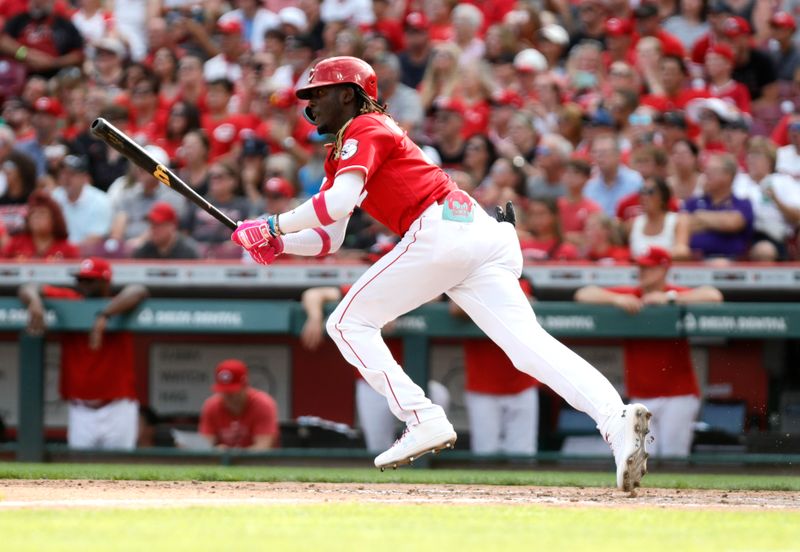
x: 402, y: 436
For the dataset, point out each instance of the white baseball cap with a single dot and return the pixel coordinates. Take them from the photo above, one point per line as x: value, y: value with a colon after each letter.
x: 555, y: 34
x: 294, y: 16
x: 530, y: 60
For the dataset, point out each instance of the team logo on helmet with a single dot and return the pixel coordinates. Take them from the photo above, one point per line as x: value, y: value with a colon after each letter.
x: 349, y: 148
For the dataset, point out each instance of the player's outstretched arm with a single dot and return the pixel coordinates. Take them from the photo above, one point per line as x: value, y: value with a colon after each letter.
x: 323, y: 209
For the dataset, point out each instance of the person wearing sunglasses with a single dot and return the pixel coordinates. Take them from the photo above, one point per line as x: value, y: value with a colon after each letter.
x: 657, y: 225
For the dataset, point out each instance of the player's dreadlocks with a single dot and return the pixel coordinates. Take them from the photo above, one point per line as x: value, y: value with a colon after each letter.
x: 365, y: 105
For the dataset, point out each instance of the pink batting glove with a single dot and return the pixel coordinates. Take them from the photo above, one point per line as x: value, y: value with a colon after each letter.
x: 251, y: 233
x: 266, y: 253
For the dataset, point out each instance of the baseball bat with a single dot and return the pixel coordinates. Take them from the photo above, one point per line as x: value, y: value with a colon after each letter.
x: 121, y: 142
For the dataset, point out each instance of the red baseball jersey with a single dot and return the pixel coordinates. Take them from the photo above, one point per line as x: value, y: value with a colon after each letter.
x: 22, y: 247
x: 224, y: 133
x: 658, y: 367
x: 400, y: 182
x: 260, y: 417
x: 105, y: 374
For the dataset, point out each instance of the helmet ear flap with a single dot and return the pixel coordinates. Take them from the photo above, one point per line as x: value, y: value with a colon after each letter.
x: 308, y: 116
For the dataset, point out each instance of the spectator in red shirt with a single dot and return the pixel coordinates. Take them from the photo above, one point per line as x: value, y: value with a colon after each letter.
x: 183, y: 118
x: 147, y: 117
x: 387, y: 25
x: 237, y: 415
x: 648, y: 23
x: 44, y: 235
x: 719, y: 68
x: 165, y: 68
x: 619, y: 41
x: 440, y: 26
x: 541, y: 238
x: 718, y: 13
x: 658, y: 372
x: 42, y: 39
x: 223, y: 128
x: 97, y: 373
x: 573, y: 208
x: 602, y: 240
x: 668, y: 91
x: 474, y: 90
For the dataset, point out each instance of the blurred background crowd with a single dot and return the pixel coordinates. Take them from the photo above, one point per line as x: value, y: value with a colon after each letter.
x: 613, y: 125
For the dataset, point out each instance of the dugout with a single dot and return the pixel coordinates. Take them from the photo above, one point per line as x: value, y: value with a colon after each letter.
x: 746, y: 352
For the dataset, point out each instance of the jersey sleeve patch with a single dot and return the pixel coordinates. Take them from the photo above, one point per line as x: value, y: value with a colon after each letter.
x: 349, y: 148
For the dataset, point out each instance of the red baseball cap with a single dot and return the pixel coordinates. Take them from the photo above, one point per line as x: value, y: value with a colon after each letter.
x: 721, y: 49
x: 507, y: 97
x: 230, y: 26
x: 416, y: 21
x: 279, y: 186
x: 230, y: 376
x: 444, y: 103
x: 283, y: 98
x: 655, y: 256
x: 48, y: 105
x: 94, y: 268
x: 162, y: 212
x: 736, y: 26
x: 618, y: 27
x: 783, y: 20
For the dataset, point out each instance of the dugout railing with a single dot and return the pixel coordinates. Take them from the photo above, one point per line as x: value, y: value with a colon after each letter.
x: 276, y: 318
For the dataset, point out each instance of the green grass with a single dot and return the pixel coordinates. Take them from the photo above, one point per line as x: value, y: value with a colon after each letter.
x: 533, y: 476
x: 372, y: 527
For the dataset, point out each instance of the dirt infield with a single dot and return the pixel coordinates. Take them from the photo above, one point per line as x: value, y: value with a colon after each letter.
x: 15, y: 494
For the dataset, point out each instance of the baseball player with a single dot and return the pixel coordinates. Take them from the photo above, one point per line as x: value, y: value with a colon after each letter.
x: 449, y: 245
x: 97, y: 372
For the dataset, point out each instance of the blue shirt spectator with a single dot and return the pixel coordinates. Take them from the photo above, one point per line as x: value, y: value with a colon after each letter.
x: 721, y: 223
x: 613, y: 180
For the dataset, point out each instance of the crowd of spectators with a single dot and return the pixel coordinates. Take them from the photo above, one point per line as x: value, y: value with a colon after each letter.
x: 612, y: 125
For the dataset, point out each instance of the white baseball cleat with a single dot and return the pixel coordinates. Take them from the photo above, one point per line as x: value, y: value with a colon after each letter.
x: 429, y: 436
x: 627, y: 435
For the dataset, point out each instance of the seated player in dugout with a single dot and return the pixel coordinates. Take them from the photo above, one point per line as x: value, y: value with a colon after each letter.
x: 659, y: 373
x: 448, y: 245
x: 97, y: 371
x: 238, y: 415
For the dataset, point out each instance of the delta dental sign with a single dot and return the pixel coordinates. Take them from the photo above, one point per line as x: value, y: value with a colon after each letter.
x: 190, y: 318
x: 716, y: 324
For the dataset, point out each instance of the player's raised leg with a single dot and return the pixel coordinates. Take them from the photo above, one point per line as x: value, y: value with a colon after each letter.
x: 493, y: 299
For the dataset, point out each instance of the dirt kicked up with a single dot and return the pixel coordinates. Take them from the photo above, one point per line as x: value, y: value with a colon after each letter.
x: 18, y: 494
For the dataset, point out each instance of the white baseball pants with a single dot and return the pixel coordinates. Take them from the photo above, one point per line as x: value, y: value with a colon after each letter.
x: 503, y: 424
x: 477, y: 264
x: 113, y: 426
x: 672, y: 426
